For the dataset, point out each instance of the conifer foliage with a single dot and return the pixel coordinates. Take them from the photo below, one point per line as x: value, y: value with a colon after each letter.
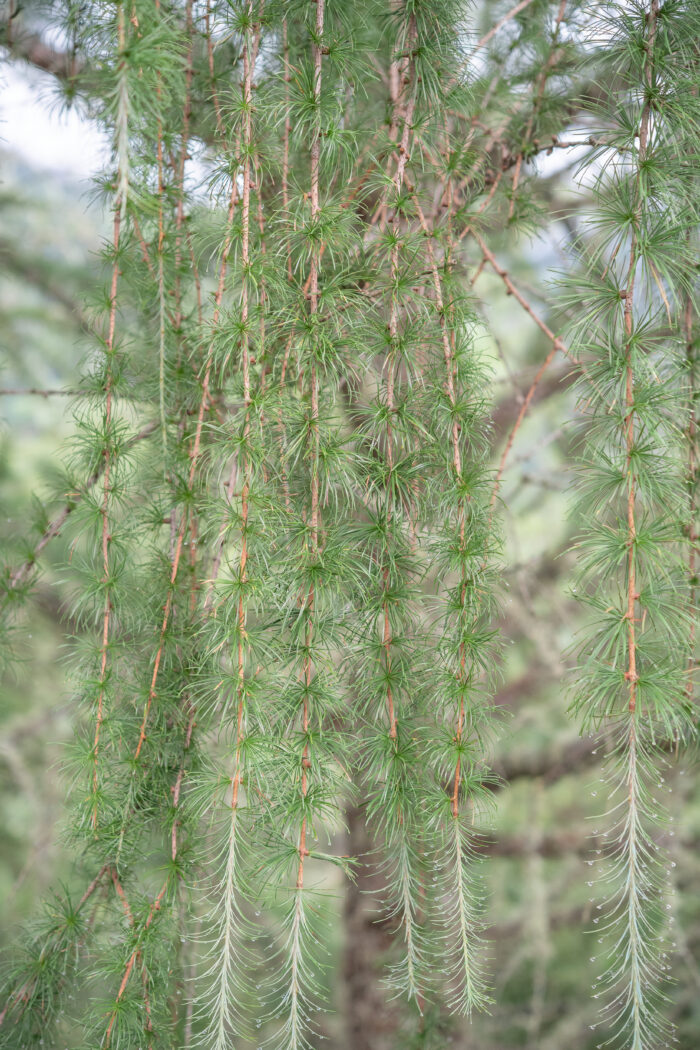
x: 285, y: 525
x: 638, y: 276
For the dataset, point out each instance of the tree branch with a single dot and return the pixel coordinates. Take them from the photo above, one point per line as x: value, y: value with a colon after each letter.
x: 31, y: 48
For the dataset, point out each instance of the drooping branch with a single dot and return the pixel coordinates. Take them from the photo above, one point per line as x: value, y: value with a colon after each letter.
x: 513, y: 13
x: 228, y: 914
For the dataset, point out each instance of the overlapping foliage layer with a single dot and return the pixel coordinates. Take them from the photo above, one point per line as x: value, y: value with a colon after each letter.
x: 286, y: 530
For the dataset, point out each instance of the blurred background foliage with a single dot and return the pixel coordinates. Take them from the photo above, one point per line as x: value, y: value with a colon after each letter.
x: 542, y: 948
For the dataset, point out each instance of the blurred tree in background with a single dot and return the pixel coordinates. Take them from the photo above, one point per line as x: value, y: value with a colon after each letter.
x: 348, y: 471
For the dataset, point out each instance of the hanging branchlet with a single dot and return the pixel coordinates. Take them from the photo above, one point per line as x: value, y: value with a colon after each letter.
x: 464, y: 549
x: 310, y: 572
x: 690, y: 334
x: 120, y: 204
x: 389, y: 691
x: 463, y: 542
x: 632, y: 664
x: 236, y: 597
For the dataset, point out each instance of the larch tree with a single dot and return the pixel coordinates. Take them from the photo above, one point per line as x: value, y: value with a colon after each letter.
x: 287, y: 556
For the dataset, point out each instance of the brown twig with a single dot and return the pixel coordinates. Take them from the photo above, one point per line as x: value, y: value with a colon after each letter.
x: 514, y: 11
x: 24, y: 991
x: 557, y: 345
x: 194, y: 459
x: 457, y: 467
x: 632, y: 596
x: 153, y: 911
x: 540, y: 85
x: 157, y: 902
x: 403, y: 86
